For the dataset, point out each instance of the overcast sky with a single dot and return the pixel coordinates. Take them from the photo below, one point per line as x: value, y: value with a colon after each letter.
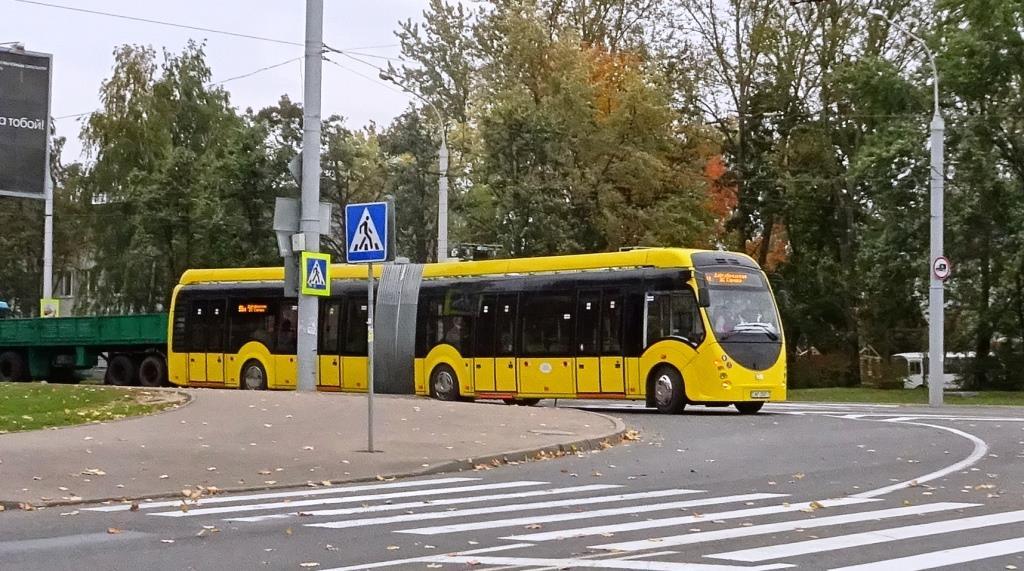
x: 82, y: 45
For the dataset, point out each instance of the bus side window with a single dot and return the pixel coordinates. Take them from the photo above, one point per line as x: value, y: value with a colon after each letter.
x: 686, y: 321
x: 547, y: 324
x: 355, y: 327
x: 287, y: 328
x: 182, y: 307
x: 611, y: 324
x: 658, y: 320
x: 250, y: 320
x: 330, y: 316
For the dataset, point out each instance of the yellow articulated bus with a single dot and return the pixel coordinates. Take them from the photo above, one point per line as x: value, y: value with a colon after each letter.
x: 669, y: 326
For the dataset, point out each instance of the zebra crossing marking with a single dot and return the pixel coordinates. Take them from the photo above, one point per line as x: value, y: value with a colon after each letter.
x: 944, y: 557
x: 576, y: 563
x: 431, y: 503
x: 348, y: 499
x: 733, y: 533
x: 492, y: 524
x: 502, y: 509
x: 397, y: 562
x: 680, y: 520
x: 291, y: 494
x: 768, y: 553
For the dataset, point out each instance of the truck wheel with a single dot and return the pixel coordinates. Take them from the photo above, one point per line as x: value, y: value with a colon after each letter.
x: 254, y: 376
x: 64, y: 375
x: 153, y: 372
x: 121, y: 371
x: 12, y: 367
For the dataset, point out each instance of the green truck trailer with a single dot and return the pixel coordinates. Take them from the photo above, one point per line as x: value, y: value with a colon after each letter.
x: 134, y: 348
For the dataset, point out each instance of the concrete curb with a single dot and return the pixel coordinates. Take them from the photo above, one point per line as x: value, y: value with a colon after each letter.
x: 594, y: 443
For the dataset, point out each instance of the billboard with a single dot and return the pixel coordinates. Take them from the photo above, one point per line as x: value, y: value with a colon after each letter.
x: 24, y: 119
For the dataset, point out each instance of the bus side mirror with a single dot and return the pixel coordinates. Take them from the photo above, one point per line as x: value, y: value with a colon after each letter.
x: 703, y: 295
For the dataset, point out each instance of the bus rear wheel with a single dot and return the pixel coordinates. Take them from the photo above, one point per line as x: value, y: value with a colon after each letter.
x: 443, y: 384
x: 12, y: 367
x: 521, y: 402
x: 669, y: 394
x: 122, y: 372
x: 153, y: 372
x: 254, y: 376
x: 749, y: 407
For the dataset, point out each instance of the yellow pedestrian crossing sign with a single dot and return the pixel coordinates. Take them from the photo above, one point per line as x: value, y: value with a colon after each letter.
x: 316, y: 274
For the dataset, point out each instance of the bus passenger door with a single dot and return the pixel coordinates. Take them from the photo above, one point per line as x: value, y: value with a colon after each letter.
x: 613, y: 363
x: 504, y: 344
x: 588, y: 323
x: 216, y: 334
x: 483, y: 345
x: 330, y: 360
x: 197, y: 341
x: 353, y: 360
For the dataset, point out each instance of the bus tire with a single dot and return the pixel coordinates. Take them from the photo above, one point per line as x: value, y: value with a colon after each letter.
x: 12, y: 367
x: 444, y: 385
x: 153, y: 371
x: 750, y: 407
x: 527, y: 402
x: 253, y: 377
x: 121, y: 372
x: 669, y: 392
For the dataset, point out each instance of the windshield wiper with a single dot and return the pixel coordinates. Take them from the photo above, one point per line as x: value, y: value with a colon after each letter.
x: 766, y: 328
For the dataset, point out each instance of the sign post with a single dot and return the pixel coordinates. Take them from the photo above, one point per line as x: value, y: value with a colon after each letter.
x: 366, y: 241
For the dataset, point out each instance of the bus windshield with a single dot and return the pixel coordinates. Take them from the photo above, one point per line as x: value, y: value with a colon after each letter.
x: 741, y: 303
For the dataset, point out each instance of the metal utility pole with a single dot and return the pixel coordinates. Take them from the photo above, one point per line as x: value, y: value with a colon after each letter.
x: 938, y: 266
x: 442, y: 164
x: 309, y: 222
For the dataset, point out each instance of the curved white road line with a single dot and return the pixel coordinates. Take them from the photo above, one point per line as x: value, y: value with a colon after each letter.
x: 979, y: 452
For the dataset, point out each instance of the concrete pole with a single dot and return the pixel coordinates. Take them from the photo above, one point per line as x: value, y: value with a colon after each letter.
x: 309, y: 223
x: 936, y: 289
x: 442, y: 197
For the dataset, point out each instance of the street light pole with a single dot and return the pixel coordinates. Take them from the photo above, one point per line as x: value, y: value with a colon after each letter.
x: 442, y: 164
x: 936, y: 287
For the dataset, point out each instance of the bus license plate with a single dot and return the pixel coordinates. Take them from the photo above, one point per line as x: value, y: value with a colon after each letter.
x: 760, y: 394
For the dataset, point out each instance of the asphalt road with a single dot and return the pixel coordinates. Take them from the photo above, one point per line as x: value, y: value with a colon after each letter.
x: 797, y: 486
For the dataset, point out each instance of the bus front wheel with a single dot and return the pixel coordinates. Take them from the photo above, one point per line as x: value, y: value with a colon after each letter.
x: 443, y: 384
x: 749, y: 407
x: 254, y: 376
x: 669, y: 394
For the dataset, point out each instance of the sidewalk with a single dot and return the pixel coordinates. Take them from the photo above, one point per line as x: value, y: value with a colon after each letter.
x: 242, y: 440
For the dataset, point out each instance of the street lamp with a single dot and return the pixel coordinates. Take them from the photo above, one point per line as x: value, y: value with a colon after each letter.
x: 939, y: 266
x: 442, y: 159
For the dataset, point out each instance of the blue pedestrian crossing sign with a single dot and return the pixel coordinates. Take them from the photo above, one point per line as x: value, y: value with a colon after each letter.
x: 366, y: 232
x: 316, y: 276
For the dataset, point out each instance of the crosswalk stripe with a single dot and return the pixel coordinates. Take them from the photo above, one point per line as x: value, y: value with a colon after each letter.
x: 778, y: 527
x: 502, y: 509
x: 577, y: 563
x: 945, y: 557
x: 397, y: 562
x: 348, y: 499
x: 492, y: 524
x: 430, y: 503
x: 870, y: 537
x: 291, y: 494
x: 668, y: 522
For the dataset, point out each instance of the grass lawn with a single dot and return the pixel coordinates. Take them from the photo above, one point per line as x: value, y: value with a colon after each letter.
x: 902, y: 396
x: 29, y: 406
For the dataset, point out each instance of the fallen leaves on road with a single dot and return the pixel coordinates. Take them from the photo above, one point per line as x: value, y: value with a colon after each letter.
x: 798, y: 476
x: 393, y: 548
x: 135, y: 507
x: 113, y: 530
x: 309, y: 564
x: 631, y: 435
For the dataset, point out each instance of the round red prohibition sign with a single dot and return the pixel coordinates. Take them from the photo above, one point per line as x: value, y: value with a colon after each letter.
x: 942, y: 268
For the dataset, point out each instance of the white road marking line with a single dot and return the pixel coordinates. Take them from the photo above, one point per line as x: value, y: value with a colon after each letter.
x: 601, y: 556
x: 945, y: 557
x: 493, y: 524
x: 501, y: 509
x: 778, y: 527
x: 979, y: 452
x: 577, y: 563
x: 348, y: 499
x: 679, y: 520
x: 870, y: 537
x: 430, y: 503
x: 396, y: 562
x: 290, y: 494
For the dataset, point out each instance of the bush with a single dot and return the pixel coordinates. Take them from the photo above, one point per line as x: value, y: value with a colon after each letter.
x: 819, y: 371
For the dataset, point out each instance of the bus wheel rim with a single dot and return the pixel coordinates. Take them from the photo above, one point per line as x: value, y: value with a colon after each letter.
x: 663, y: 389
x: 444, y: 383
x: 253, y: 377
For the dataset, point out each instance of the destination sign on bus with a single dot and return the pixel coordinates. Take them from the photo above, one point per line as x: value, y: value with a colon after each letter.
x: 733, y: 279
x: 252, y: 308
